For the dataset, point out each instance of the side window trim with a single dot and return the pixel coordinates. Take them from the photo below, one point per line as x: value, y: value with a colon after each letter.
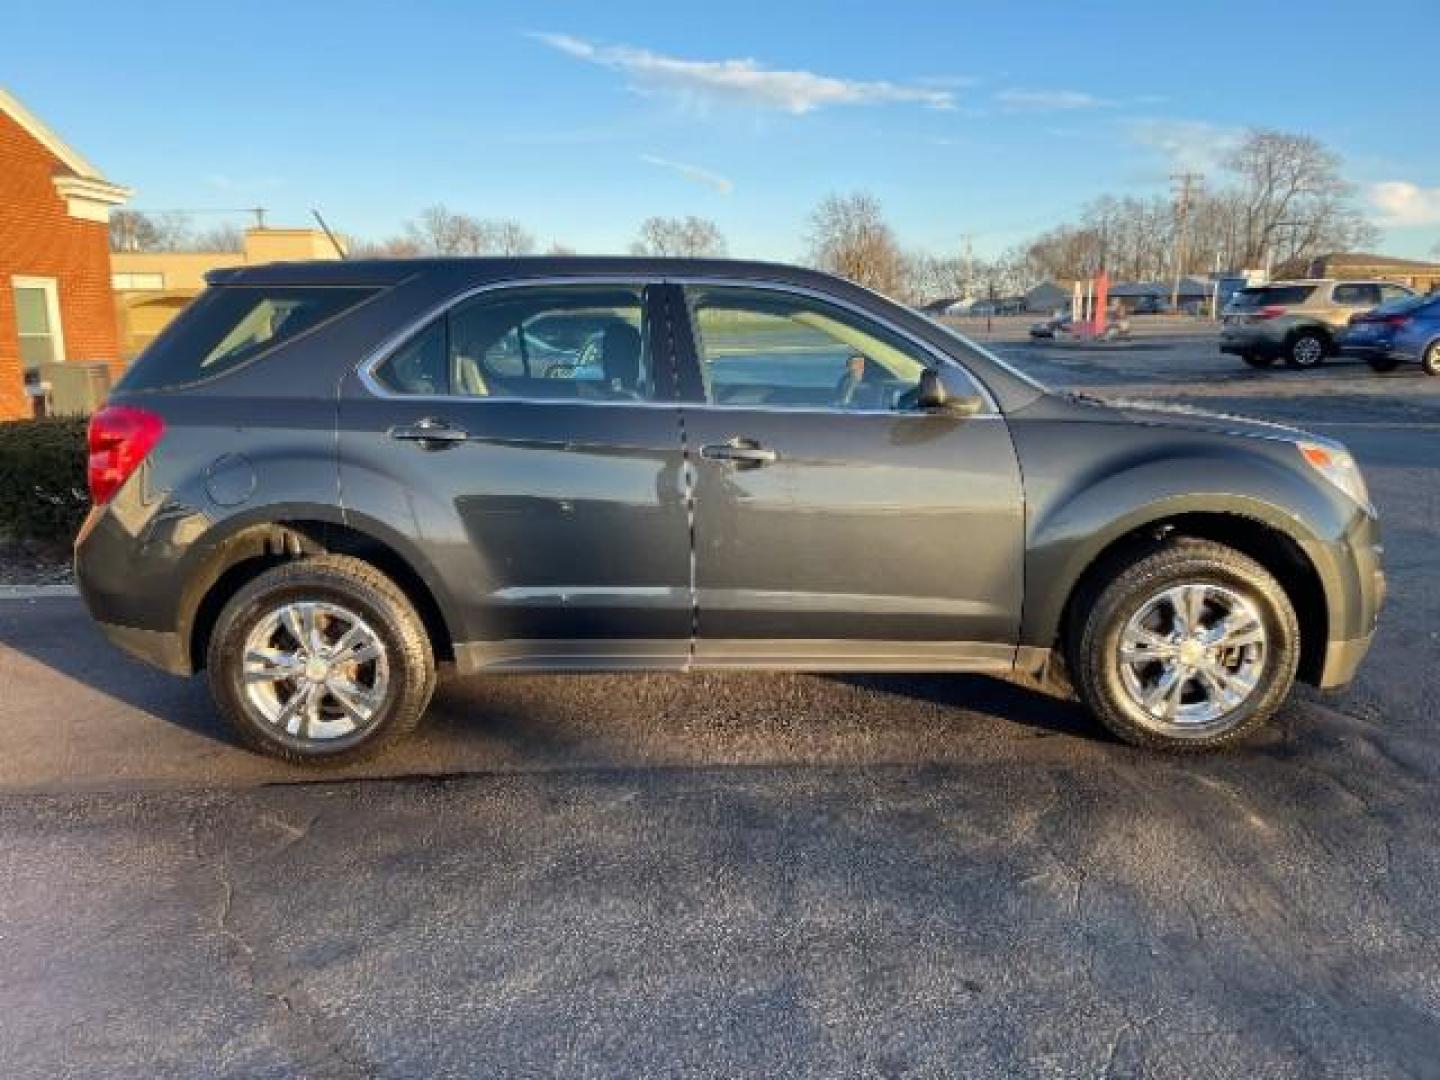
x: 653, y: 300
x: 687, y: 350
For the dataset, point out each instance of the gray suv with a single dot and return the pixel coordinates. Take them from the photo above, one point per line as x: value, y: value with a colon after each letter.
x: 1299, y: 321
x: 325, y: 482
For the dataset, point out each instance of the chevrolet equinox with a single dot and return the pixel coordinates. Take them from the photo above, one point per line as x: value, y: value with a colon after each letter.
x: 325, y: 481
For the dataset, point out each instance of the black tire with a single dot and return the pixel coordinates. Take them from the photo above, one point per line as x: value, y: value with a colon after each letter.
x: 357, y: 587
x: 1430, y: 362
x: 1121, y: 591
x: 1258, y: 360
x: 1382, y: 362
x: 1306, y: 350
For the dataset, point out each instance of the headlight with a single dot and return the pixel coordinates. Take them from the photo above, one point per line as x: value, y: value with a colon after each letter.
x: 1337, y: 466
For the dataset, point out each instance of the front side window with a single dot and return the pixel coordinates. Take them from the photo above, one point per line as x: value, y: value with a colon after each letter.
x: 582, y: 342
x: 775, y: 350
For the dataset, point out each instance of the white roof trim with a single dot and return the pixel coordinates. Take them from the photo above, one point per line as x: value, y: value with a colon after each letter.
x: 47, y: 138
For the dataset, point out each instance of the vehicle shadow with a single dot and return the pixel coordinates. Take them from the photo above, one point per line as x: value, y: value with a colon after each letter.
x: 1027, y: 706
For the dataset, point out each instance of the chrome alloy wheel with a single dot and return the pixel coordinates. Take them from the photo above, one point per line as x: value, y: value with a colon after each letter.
x: 315, y: 670
x: 1191, y: 655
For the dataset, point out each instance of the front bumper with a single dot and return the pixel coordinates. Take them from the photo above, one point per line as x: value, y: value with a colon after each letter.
x: 1342, y: 661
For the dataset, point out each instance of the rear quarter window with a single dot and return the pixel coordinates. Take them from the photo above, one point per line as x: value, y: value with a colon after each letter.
x: 1272, y: 295
x: 229, y: 326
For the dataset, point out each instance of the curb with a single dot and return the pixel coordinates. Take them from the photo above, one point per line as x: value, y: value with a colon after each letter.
x: 37, y: 592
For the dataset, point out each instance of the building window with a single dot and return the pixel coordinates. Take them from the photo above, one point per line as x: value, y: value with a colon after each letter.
x: 37, y: 319
x: 134, y: 281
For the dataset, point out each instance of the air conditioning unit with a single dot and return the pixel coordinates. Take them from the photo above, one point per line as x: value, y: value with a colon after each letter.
x: 75, y: 388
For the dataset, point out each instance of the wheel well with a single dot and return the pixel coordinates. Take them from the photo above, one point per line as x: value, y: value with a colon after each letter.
x: 258, y: 549
x: 1268, y: 546
x: 1318, y: 330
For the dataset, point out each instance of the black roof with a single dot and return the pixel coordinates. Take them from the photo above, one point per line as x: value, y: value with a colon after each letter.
x: 490, y: 268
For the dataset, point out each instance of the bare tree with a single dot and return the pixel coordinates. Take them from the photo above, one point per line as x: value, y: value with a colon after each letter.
x: 220, y: 238
x: 688, y: 236
x: 439, y: 230
x: 1293, y: 201
x: 511, y: 238
x: 849, y: 237
x: 135, y: 230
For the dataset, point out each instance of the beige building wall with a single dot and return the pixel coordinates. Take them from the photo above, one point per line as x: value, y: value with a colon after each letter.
x: 152, y: 287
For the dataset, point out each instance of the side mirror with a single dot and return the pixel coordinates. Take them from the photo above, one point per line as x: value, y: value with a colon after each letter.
x: 939, y: 392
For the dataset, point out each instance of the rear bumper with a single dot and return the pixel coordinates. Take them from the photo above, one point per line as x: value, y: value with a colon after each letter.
x: 1240, y: 342
x: 156, y: 647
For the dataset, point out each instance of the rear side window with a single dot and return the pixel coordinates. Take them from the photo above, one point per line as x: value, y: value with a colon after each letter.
x: 1272, y: 296
x: 1357, y: 295
x: 228, y: 326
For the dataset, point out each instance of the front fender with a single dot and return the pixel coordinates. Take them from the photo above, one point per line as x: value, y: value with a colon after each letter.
x: 1083, y: 500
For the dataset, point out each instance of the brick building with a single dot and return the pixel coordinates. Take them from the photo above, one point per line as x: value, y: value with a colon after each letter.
x: 56, y: 302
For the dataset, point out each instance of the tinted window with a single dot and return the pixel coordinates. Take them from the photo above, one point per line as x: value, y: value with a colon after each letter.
x: 1271, y: 296
x: 574, y: 342
x: 774, y: 350
x: 1357, y: 295
x: 229, y: 326
x: 1394, y: 292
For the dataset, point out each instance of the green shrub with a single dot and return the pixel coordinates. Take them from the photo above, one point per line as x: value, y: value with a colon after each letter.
x: 43, y: 496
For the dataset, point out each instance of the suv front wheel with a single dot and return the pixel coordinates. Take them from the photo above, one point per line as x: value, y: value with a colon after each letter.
x: 1191, y: 647
x: 320, y: 661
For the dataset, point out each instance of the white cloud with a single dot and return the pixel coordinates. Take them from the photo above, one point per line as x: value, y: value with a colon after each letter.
x: 1050, y: 100
x: 742, y: 82
x: 723, y: 184
x: 1191, y: 145
x: 1402, y: 203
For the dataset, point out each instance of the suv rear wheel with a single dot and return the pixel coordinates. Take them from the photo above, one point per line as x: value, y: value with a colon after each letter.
x: 1307, y: 350
x: 321, y: 661
x: 1191, y: 647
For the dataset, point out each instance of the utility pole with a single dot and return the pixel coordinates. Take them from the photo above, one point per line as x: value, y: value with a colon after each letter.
x: 1186, y: 187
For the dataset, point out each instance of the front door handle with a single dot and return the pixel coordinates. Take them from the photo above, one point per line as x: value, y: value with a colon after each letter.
x: 740, y: 451
x: 429, y: 432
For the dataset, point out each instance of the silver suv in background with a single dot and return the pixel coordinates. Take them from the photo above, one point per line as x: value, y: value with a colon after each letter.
x: 1300, y: 321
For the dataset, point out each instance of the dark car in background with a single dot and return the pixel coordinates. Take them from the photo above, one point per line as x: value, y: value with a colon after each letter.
x: 1300, y: 322
x: 326, y: 482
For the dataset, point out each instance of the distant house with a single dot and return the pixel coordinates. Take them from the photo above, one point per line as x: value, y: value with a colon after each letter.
x: 1412, y: 273
x: 1132, y: 296
x: 1047, y: 298
x: 55, y: 299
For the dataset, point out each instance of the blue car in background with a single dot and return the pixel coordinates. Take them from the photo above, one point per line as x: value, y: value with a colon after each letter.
x: 1392, y: 334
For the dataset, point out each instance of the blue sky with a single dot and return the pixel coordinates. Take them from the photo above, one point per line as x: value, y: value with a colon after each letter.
x: 990, y: 120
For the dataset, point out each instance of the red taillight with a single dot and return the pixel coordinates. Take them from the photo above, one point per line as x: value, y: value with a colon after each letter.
x: 120, y: 438
x: 1270, y: 311
x: 1398, y: 321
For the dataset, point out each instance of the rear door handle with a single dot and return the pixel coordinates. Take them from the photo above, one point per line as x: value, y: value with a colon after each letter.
x: 740, y: 451
x: 429, y: 431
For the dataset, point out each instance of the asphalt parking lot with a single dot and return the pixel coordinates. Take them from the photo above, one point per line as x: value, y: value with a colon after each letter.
x: 744, y: 874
